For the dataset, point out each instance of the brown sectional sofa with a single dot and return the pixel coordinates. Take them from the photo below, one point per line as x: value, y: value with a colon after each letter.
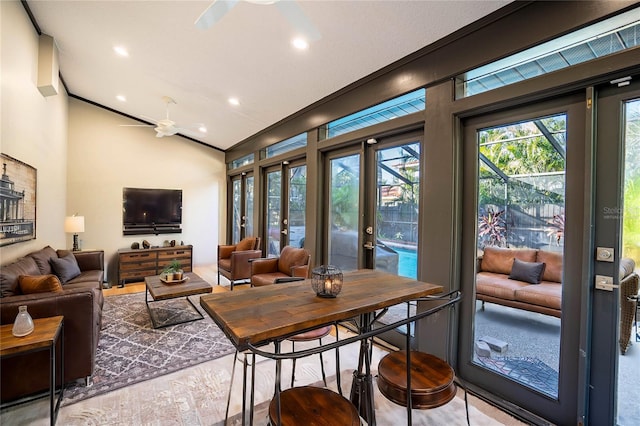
x: 494, y: 285
x: 79, y: 301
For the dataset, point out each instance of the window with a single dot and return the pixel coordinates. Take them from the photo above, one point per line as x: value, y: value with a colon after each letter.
x: 604, y: 38
x: 286, y: 145
x: 242, y: 161
x: 388, y: 110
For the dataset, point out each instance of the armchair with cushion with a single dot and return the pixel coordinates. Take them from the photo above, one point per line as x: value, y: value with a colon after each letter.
x: 234, y: 260
x: 293, y: 262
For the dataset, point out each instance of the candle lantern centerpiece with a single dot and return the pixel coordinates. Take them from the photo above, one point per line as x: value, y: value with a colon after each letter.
x: 326, y: 280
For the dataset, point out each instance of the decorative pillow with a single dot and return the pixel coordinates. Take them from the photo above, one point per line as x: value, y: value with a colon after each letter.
x: 529, y: 272
x: 30, y: 284
x: 66, y: 268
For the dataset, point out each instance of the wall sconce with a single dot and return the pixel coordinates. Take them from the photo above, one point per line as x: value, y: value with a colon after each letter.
x: 73, y: 225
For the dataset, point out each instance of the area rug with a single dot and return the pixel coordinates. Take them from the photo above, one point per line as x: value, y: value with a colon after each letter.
x: 131, y: 351
x: 526, y: 370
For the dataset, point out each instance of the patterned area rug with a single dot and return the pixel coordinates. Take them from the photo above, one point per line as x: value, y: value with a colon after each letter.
x: 528, y: 371
x: 131, y: 351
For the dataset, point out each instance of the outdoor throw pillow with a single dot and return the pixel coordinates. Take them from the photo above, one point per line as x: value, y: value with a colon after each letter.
x: 30, y: 284
x: 66, y: 268
x: 529, y: 272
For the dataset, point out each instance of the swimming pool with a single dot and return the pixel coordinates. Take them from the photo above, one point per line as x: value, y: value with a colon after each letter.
x: 407, y: 262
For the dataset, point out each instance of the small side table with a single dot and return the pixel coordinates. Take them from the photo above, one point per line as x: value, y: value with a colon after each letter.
x: 45, y: 336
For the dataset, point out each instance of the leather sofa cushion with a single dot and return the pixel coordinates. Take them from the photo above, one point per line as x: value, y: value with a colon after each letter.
x: 500, y: 260
x: 290, y: 257
x: 9, y: 275
x: 547, y: 294
x: 30, y: 284
x: 266, y: 279
x: 248, y: 243
x: 66, y: 268
x: 42, y: 258
x: 498, y: 285
x: 225, y: 264
x: 553, y: 268
x: 93, y: 277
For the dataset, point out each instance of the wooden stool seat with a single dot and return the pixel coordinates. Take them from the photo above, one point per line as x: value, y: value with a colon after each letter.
x: 314, y: 334
x: 313, y: 406
x: 431, y: 379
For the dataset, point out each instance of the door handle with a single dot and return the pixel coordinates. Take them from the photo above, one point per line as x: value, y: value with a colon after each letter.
x: 284, y: 232
x: 369, y: 245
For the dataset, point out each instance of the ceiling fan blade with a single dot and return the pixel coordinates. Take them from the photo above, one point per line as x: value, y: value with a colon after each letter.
x: 294, y: 14
x: 214, y: 13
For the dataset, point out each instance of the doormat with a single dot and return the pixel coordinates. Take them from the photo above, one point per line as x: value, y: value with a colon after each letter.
x: 531, y: 372
x: 130, y: 350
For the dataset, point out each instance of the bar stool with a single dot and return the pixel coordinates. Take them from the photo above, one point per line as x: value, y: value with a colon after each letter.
x: 312, y: 406
x: 308, y: 336
x: 415, y: 379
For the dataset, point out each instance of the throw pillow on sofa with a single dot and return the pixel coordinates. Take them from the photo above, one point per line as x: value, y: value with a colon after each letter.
x: 66, y: 268
x: 529, y: 272
x: 30, y: 284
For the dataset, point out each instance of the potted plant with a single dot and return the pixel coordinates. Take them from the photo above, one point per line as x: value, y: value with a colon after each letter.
x: 173, y: 271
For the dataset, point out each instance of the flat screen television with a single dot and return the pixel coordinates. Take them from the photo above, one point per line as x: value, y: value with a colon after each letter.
x: 151, y: 211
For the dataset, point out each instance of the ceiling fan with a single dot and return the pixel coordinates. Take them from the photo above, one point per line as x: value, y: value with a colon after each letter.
x: 164, y: 127
x: 288, y: 8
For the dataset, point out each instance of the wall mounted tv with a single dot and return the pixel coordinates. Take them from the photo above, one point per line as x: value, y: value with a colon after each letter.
x: 151, y: 211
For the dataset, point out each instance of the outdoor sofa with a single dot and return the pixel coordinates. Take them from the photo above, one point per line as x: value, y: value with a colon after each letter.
x: 76, y: 294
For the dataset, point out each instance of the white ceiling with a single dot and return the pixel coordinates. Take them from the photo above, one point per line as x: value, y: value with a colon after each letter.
x: 247, y: 55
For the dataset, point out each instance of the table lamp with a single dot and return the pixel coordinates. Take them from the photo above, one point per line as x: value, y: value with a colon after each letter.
x: 74, y: 224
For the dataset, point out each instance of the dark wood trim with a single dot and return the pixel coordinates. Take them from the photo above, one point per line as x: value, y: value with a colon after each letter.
x: 479, y: 43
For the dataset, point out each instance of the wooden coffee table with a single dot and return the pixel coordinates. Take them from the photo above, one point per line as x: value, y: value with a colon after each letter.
x: 160, y: 290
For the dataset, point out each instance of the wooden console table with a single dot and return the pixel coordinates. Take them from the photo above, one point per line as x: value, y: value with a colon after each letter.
x: 135, y: 265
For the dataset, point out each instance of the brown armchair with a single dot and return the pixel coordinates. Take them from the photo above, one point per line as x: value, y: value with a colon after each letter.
x: 293, y: 262
x: 234, y: 260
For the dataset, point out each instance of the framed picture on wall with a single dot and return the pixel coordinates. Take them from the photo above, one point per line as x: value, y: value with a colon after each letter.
x: 17, y: 201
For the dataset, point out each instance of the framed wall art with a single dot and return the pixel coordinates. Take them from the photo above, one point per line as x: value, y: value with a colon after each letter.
x: 17, y: 201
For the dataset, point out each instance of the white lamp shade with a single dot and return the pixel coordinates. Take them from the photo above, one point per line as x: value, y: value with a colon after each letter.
x: 74, y: 224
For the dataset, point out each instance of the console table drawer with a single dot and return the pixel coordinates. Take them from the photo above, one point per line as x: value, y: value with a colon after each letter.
x: 136, y: 275
x: 148, y: 264
x: 138, y: 257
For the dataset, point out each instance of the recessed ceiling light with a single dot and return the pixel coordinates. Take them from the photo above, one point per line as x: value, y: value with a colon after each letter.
x: 121, y: 98
x: 234, y: 101
x: 300, y: 43
x: 120, y: 50
x: 202, y: 129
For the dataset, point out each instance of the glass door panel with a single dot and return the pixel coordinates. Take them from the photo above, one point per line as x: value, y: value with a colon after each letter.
x: 397, y: 195
x: 521, y: 193
x: 248, y: 210
x: 237, y: 209
x: 242, y: 207
x: 297, y: 205
x: 274, y: 202
x: 628, y: 389
x: 344, y: 212
x: 523, y: 209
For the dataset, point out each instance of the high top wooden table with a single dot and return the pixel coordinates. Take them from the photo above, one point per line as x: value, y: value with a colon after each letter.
x: 264, y: 314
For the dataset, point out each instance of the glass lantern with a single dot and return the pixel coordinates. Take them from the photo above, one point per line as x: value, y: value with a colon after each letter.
x: 326, y: 280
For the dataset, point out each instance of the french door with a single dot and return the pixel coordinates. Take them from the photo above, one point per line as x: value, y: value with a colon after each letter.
x: 614, y: 376
x: 373, y: 205
x: 285, y: 209
x: 523, y: 186
x: 242, y: 193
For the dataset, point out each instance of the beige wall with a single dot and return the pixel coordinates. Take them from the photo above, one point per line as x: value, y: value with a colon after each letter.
x: 33, y: 129
x: 84, y: 159
x: 105, y: 157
